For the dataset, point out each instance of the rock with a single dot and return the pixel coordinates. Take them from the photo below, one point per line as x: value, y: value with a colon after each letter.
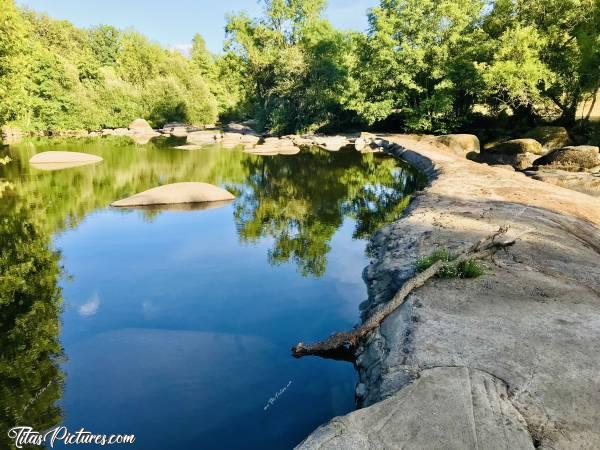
x: 143, y: 139
x: 190, y: 147
x: 518, y: 153
x: 520, y: 161
x: 517, y: 146
x: 574, y: 158
x: 177, y: 193
x: 446, y: 408
x: 234, y: 139
x: 460, y: 144
x: 330, y: 143
x: 121, y: 132
x: 274, y: 146
x: 107, y: 132
x: 140, y: 126
x: 300, y: 141
x: 94, y: 134
x: 550, y: 137
x: 179, y: 131
x: 586, y: 182
x: 176, y: 129
x: 531, y: 323
x: 369, y: 143
x: 204, y: 137
x: 171, y: 125
x: 239, y: 128
x: 10, y: 135
x: 56, y: 160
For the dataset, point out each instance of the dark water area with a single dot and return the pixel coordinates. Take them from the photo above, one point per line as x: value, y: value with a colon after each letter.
x: 176, y: 326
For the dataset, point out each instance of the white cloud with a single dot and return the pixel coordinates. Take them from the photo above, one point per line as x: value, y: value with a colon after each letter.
x: 90, y: 308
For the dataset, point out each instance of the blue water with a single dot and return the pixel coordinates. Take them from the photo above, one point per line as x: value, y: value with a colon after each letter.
x: 177, y: 326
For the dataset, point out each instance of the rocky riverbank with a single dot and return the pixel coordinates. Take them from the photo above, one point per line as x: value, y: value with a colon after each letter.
x: 507, y: 360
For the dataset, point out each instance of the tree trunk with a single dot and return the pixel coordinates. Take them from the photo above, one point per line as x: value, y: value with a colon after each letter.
x: 343, y: 346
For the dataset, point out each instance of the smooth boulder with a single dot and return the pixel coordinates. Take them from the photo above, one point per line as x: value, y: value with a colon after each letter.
x: 460, y: 144
x: 204, y: 137
x: 233, y: 127
x: 518, y: 146
x: 518, y: 153
x: 140, y: 126
x: 586, y: 182
x: 369, y: 143
x: 574, y: 158
x: 56, y: 160
x: 274, y: 146
x: 550, y: 137
x: 330, y: 143
x: 188, y: 192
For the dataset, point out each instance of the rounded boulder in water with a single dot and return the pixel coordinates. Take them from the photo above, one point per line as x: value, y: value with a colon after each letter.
x: 177, y: 193
x: 56, y: 160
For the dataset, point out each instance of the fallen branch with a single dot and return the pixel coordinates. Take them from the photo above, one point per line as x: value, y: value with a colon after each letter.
x: 342, y: 346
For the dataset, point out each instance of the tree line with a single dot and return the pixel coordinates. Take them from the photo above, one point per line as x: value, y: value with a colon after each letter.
x: 422, y: 65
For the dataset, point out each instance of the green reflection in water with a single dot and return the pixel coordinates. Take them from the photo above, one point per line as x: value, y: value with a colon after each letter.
x: 301, y: 201
x: 298, y: 201
x: 31, y: 381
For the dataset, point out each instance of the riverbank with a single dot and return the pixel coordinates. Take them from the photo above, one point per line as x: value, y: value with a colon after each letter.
x: 507, y: 360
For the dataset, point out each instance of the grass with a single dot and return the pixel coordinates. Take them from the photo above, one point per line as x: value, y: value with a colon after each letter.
x: 466, y: 269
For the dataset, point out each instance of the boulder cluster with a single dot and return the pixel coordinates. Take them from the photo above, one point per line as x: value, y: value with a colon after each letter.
x: 545, y: 153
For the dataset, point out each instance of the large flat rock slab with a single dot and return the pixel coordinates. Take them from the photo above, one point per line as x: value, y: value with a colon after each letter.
x: 57, y: 160
x: 532, y: 321
x: 446, y: 408
x: 177, y: 193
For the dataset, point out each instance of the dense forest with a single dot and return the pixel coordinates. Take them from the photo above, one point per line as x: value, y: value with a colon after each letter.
x: 422, y: 65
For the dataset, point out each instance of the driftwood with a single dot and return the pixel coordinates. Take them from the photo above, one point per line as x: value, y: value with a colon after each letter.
x: 342, y: 346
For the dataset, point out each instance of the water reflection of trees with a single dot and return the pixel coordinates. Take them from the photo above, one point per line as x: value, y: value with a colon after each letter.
x: 301, y: 201
x: 31, y: 381
x: 298, y: 201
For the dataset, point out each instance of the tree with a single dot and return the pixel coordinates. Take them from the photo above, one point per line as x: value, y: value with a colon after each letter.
x: 418, y: 60
x: 13, y: 46
x: 516, y: 74
x: 105, y: 42
x: 294, y: 60
x: 560, y: 40
x: 201, y: 56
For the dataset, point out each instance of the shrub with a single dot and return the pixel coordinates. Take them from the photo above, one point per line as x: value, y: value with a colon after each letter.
x: 465, y: 269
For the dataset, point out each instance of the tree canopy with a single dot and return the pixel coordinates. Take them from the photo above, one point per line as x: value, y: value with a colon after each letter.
x: 428, y: 64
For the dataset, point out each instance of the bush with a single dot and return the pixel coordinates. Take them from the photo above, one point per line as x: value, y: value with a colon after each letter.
x: 465, y: 269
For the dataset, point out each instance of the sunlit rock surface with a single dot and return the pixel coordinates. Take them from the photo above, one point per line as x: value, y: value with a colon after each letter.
x: 505, y: 361
x: 190, y: 192
x: 57, y: 160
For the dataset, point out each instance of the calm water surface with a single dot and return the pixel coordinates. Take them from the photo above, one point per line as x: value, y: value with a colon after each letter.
x: 176, y: 326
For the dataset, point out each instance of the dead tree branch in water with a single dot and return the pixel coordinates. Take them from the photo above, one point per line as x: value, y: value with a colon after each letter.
x: 342, y: 346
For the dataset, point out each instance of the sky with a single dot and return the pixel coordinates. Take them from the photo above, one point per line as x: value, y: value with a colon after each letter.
x: 174, y: 23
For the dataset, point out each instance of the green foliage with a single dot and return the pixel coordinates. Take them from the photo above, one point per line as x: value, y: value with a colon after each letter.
x: 465, y: 269
x: 296, y: 64
x: 31, y: 381
x: 417, y: 60
x: 516, y: 74
x: 13, y: 33
x: 54, y: 76
x: 555, y: 42
x: 425, y: 62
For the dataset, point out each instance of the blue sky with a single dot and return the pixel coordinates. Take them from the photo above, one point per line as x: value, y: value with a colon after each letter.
x: 174, y: 23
